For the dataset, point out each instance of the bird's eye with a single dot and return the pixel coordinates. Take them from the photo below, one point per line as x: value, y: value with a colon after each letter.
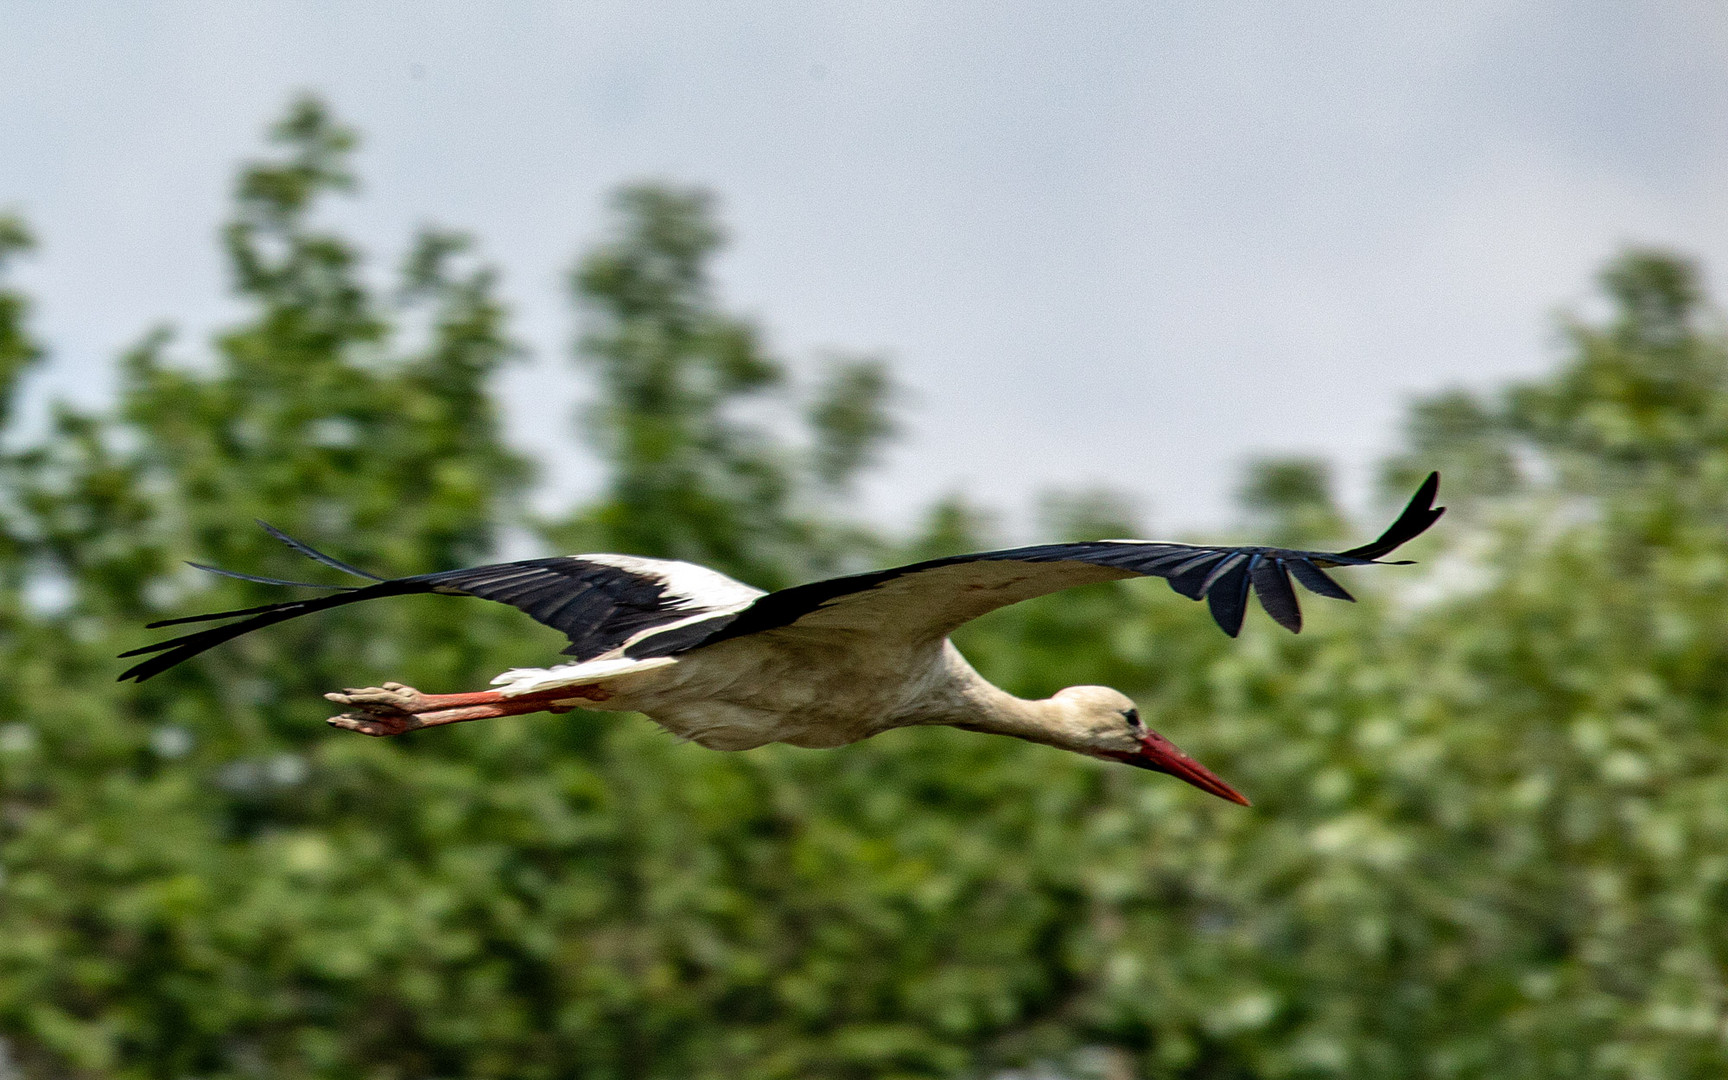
x: 1133, y: 718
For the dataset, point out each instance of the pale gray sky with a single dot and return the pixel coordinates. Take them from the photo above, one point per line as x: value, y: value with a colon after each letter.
x: 1127, y: 244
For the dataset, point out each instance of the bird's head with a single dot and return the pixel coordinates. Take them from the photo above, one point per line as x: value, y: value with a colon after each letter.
x: 1105, y: 723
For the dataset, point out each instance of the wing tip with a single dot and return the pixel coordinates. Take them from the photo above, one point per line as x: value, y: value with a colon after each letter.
x: 1418, y: 516
x: 314, y: 554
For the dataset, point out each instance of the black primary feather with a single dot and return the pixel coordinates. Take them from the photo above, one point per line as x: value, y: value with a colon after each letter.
x: 1316, y: 580
x: 314, y: 554
x: 598, y: 606
x: 1192, y: 577
x: 1272, y: 586
x: 1227, y: 595
x: 235, y: 574
x: 178, y: 650
x: 1418, y: 515
x: 214, y: 615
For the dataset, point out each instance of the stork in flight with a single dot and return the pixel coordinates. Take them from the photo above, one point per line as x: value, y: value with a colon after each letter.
x: 819, y: 665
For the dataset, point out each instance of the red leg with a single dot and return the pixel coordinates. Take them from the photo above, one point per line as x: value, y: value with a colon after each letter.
x: 394, y: 708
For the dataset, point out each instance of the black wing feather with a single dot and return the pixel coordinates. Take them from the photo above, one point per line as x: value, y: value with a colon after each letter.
x: 214, y: 615
x: 314, y: 554
x: 1272, y: 586
x: 255, y: 579
x: 178, y: 650
x: 1193, y: 577
x: 1316, y: 580
x: 597, y: 605
x: 1418, y: 514
x: 1227, y: 596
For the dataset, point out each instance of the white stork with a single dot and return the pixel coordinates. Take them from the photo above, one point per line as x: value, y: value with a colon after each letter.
x: 819, y: 665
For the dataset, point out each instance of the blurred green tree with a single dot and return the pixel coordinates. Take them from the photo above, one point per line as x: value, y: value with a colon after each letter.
x: 1290, y: 502
x: 1490, y: 826
x: 186, y: 792
x: 18, y: 351
x: 691, y: 475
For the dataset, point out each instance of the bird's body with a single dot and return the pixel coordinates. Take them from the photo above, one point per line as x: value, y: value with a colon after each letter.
x: 821, y: 665
x: 751, y: 691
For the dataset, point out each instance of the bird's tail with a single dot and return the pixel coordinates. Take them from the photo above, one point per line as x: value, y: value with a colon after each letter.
x: 180, y: 649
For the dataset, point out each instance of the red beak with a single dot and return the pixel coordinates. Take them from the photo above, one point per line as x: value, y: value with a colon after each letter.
x: 1160, y: 755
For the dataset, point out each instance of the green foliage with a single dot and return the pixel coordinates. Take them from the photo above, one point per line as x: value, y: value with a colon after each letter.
x: 1291, y: 501
x: 1461, y: 437
x: 17, y: 351
x: 1641, y: 402
x: 691, y: 476
x: 952, y: 526
x: 1646, y: 393
x: 1489, y: 835
x: 850, y: 419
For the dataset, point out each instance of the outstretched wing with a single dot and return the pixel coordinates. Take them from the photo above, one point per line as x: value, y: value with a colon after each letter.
x: 645, y: 608
x: 601, y: 602
x: 929, y: 599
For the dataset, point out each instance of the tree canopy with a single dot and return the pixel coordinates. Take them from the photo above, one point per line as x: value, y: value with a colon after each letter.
x: 1491, y: 827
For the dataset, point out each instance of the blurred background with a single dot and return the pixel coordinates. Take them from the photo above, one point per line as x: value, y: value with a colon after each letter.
x: 792, y: 291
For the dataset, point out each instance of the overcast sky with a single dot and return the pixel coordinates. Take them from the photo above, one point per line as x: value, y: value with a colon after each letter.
x: 1124, y: 244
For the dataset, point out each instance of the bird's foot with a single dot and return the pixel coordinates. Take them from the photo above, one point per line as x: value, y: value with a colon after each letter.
x: 389, y: 699
x: 393, y: 708
x: 380, y: 710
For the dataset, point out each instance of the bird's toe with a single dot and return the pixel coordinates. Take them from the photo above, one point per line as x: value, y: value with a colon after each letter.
x: 373, y: 725
x: 387, y: 699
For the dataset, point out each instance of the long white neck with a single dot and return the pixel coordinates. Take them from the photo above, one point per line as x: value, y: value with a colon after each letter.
x: 968, y: 700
